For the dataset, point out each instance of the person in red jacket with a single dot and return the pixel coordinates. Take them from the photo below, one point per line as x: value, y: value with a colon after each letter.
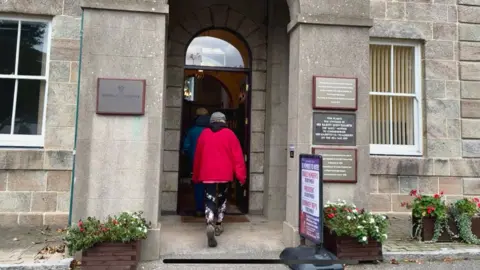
x: 218, y: 159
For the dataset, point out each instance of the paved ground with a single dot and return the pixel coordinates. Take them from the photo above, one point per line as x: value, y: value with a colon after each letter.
x: 30, y: 245
x: 258, y: 239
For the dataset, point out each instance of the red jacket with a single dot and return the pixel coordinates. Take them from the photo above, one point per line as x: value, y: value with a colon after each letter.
x: 218, y: 157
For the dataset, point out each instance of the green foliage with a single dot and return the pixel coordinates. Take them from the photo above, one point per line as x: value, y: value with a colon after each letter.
x: 346, y: 220
x: 125, y: 228
x: 462, y: 211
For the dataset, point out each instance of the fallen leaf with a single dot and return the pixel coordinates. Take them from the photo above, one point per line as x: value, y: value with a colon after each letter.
x: 448, y: 259
x: 393, y: 261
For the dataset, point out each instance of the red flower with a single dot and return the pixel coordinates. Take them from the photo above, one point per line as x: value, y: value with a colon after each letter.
x: 413, y: 192
x: 476, y: 200
x: 115, y: 222
x: 441, y: 193
x: 80, y: 223
x: 331, y: 215
x: 403, y: 204
x: 436, y: 196
x: 82, y: 229
x: 334, y: 209
x: 430, y: 209
x: 478, y: 205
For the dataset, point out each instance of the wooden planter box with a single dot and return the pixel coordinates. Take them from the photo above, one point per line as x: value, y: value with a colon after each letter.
x: 348, y: 248
x: 111, y: 256
x: 429, y: 225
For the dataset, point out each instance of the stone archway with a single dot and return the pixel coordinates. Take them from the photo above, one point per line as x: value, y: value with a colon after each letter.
x: 181, y: 30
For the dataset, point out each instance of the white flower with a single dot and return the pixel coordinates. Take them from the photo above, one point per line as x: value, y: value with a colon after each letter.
x: 384, y: 217
x: 372, y: 220
x: 354, y: 206
x: 359, y: 227
x: 376, y: 228
x: 363, y: 221
x: 385, y: 235
x: 354, y: 211
x: 349, y: 217
x: 364, y: 239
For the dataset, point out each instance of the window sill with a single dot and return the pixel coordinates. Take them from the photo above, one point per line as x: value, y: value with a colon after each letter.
x: 21, y: 141
x: 395, y: 150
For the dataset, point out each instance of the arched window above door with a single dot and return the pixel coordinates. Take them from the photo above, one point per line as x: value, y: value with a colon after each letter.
x: 217, y: 48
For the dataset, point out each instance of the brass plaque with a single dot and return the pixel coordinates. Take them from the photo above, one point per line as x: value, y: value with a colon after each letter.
x: 339, y: 165
x: 121, y: 97
x: 334, y: 93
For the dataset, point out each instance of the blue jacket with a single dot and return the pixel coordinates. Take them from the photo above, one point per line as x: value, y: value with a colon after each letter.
x: 190, y: 142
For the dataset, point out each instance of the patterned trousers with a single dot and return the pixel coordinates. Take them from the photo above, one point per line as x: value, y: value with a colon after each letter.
x: 215, y: 204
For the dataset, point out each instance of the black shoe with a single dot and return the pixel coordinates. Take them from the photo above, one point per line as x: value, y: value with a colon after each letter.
x: 212, y: 242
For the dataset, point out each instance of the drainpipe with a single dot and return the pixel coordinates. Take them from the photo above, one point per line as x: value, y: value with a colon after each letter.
x: 72, y: 182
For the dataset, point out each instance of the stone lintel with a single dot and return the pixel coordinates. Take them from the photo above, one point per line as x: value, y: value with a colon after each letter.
x: 127, y: 5
x: 41, y: 7
x: 328, y: 20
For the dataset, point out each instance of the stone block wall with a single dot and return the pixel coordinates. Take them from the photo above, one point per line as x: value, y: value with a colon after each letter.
x: 35, y: 183
x: 186, y: 19
x: 449, y: 32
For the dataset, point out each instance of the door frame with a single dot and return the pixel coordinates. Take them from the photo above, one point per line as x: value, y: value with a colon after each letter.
x: 248, y: 130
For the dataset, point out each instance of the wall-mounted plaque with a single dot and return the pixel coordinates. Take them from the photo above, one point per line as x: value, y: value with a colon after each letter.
x: 121, y: 97
x: 334, y: 129
x: 339, y: 165
x: 331, y: 93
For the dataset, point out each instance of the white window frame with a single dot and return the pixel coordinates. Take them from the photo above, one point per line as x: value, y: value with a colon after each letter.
x: 417, y: 148
x: 14, y: 140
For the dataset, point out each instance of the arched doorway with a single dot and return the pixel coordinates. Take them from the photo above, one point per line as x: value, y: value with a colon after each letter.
x: 217, y: 77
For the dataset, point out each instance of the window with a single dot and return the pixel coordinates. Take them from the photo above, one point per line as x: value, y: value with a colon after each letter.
x: 395, y: 99
x: 24, y: 61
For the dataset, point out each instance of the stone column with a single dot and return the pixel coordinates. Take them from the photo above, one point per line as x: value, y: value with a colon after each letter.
x: 332, y: 40
x: 118, y: 163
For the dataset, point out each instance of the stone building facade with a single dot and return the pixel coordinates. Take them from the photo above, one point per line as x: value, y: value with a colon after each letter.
x: 131, y: 163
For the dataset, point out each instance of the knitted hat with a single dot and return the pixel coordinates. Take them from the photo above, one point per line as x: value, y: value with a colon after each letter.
x: 201, y: 111
x: 218, y: 117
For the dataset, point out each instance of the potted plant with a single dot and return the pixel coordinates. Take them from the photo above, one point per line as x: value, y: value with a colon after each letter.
x: 353, y: 234
x: 114, y: 242
x: 430, y: 219
x: 465, y: 214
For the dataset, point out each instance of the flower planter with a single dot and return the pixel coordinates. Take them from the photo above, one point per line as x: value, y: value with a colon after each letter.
x: 112, y: 256
x: 429, y: 225
x: 348, y: 248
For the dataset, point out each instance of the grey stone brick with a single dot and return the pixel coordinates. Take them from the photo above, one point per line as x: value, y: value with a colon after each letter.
x: 441, y: 50
x: 468, y: 14
x: 471, y: 148
x: 44, y: 202
x: 471, y: 186
x: 470, y: 129
x: 65, y: 49
x: 469, y: 2
x: 15, y: 201
x: 441, y: 70
x: 26, y: 180
x: 66, y: 27
x: 58, y: 160
x: 441, y: 167
x: 435, y: 88
x: 465, y: 167
x: 24, y: 159
x: 59, y: 71
x: 469, y: 32
x: 453, y: 129
x: 426, y: 12
x: 470, y: 108
x: 445, y: 31
x: 470, y: 89
x: 449, y: 109
x: 469, y: 51
x: 402, y: 29
x: 444, y: 148
x: 395, y: 11
x: 72, y: 8
x: 378, y: 9
x: 469, y: 71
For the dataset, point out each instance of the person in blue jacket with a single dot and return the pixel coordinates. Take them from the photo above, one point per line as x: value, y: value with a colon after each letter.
x: 189, y: 145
